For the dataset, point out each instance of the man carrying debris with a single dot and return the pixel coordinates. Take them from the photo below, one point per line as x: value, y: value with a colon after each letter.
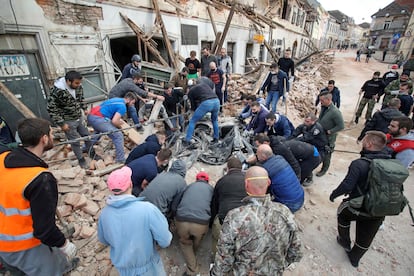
x: 228, y: 194
x: 132, y: 228
x: 260, y: 237
x: 133, y: 68
x: 203, y: 100
x: 372, y: 89
x: 354, y: 185
x: 130, y: 85
x: 65, y: 105
x: 146, y: 168
x: 332, y: 122
x: 192, y: 218
x: 152, y: 145
x: 180, y: 80
x: 107, y: 117
x: 166, y: 187
x: 29, y: 237
x: 276, y: 83
x: 284, y: 187
x: 206, y: 59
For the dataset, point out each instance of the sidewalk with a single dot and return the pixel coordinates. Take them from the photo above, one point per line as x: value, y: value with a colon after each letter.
x: 390, y: 58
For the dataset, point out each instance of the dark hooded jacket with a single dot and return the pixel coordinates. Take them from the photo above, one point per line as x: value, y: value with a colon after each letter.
x: 150, y: 146
x: 380, y: 121
x: 357, y: 175
x: 165, y: 187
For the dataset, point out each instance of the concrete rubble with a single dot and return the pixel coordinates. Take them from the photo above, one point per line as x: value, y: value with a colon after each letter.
x: 83, y: 195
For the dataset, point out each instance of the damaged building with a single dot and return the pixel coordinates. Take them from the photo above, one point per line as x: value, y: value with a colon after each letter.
x: 40, y: 40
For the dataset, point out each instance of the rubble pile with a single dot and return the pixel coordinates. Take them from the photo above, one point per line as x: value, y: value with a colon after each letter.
x: 82, y: 194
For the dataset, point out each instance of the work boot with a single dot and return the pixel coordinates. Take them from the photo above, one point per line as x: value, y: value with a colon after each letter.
x: 308, y: 181
x: 356, y: 120
x: 82, y: 163
x: 356, y: 254
x: 344, y: 244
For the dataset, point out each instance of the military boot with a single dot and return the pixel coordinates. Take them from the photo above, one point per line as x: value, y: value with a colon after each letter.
x: 356, y: 254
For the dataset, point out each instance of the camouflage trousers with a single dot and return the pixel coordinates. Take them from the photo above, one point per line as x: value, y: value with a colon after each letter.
x: 362, y: 103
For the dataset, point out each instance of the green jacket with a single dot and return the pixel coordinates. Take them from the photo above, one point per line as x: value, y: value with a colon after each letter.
x: 331, y: 119
x: 394, y: 86
x: 62, y: 106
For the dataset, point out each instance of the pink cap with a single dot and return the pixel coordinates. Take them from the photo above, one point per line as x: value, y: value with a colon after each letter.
x: 395, y: 66
x: 120, y: 180
x: 202, y: 176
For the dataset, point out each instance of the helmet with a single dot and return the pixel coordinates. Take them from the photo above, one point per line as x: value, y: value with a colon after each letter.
x: 394, y: 66
x: 136, y: 58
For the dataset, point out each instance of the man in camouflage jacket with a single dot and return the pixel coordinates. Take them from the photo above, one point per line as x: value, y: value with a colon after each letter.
x: 259, y: 238
x: 393, y: 88
x: 65, y: 104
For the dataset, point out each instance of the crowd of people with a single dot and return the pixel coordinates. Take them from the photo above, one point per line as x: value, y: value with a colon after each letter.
x: 251, y: 208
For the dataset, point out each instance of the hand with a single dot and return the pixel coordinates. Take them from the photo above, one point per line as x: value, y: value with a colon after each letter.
x: 185, y: 97
x: 261, y: 93
x: 223, y: 89
x: 331, y: 198
x: 69, y: 249
x: 161, y: 98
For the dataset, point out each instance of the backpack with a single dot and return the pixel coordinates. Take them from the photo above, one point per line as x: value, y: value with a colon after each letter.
x: 384, y: 196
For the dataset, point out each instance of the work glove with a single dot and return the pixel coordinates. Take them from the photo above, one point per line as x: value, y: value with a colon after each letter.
x: 185, y: 97
x: 331, y: 198
x: 261, y: 93
x: 69, y: 249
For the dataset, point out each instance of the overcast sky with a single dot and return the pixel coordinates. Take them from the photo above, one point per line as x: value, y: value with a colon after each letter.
x: 360, y: 10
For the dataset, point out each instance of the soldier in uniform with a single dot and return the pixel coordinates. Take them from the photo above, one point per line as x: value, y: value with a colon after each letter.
x: 247, y: 244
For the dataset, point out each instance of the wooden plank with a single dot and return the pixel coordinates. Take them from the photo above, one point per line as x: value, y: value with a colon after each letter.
x: 132, y: 134
x: 226, y: 29
x: 260, y: 81
x: 153, y: 117
x: 137, y: 30
x: 213, y: 23
x: 21, y: 107
x: 216, y: 41
x: 167, y: 41
x: 272, y: 52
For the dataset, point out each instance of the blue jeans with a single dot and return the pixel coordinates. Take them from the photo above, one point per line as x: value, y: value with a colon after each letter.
x: 213, y: 106
x: 272, y: 97
x: 132, y: 113
x: 101, y: 124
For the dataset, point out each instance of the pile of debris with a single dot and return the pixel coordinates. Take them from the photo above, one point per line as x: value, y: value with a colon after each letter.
x: 83, y: 193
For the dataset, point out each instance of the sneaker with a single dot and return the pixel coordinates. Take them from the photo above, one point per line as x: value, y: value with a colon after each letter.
x: 140, y: 129
x: 82, y: 163
x: 342, y: 243
x: 356, y: 120
x: 214, y: 141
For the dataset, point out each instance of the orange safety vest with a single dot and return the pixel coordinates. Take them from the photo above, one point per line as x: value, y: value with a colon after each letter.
x: 16, y: 224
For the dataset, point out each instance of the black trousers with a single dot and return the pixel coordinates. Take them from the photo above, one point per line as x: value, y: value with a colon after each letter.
x: 307, y: 166
x: 366, y: 229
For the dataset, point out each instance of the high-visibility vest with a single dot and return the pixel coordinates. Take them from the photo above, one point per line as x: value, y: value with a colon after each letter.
x: 16, y: 223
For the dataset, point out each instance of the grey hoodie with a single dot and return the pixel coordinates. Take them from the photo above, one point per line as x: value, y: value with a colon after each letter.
x: 162, y: 190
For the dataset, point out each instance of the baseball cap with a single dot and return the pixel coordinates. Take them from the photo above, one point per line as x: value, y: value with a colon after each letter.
x: 202, y: 176
x: 120, y: 180
x: 394, y: 66
x: 407, y: 73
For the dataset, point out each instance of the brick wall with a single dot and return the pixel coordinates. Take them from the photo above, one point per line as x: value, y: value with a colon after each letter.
x: 70, y: 14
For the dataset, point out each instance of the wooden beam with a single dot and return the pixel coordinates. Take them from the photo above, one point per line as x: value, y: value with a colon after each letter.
x: 167, y: 41
x: 177, y: 6
x: 148, y: 46
x: 271, y: 51
x: 215, y: 43
x: 21, y: 107
x: 148, y: 129
x: 226, y: 29
x: 213, y: 23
